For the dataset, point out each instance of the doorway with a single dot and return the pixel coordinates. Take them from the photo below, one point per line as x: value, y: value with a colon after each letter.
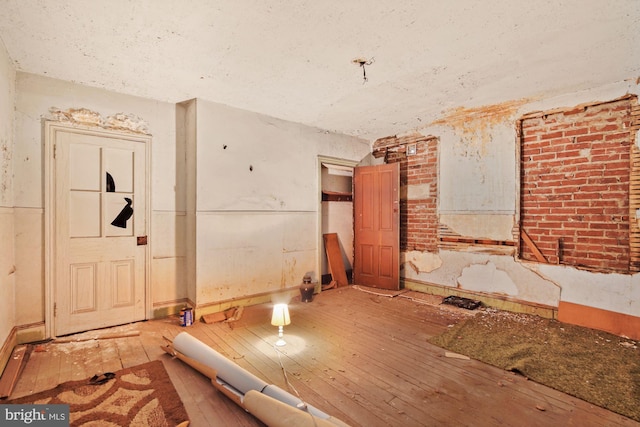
x: 96, y: 228
x: 336, y: 211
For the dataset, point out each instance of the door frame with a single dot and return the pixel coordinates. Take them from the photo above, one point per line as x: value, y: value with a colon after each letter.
x: 319, y: 240
x: 50, y: 131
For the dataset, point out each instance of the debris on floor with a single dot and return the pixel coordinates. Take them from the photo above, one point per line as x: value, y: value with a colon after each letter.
x: 228, y: 315
x: 462, y: 302
x: 99, y: 336
x: 456, y: 356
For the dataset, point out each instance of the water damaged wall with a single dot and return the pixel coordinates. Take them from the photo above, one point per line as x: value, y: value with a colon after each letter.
x: 462, y: 210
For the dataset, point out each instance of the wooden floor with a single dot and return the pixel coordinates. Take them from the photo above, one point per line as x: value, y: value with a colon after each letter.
x: 361, y: 357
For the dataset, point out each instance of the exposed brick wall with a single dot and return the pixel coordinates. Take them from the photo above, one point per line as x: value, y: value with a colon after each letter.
x: 418, y: 217
x: 575, y: 190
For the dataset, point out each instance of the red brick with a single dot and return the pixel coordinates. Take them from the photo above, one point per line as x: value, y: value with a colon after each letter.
x: 582, y: 199
x: 590, y: 137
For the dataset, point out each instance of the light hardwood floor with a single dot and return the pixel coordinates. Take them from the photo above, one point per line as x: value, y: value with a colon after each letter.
x: 361, y: 357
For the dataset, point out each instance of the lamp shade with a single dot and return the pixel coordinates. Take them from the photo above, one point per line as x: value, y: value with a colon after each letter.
x: 280, y: 316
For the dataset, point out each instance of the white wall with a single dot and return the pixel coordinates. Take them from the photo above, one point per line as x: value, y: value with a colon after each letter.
x: 35, y: 96
x: 254, y: 231
x: 258, y: 200
x: 7, y: 241
x: 478, y: 196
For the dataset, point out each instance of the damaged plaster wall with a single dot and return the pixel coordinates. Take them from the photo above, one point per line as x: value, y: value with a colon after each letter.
x: 478, y: 197
x: 257, y: 200
x: 39, y: 98
x: 7, y: 215
x: 619, y: 293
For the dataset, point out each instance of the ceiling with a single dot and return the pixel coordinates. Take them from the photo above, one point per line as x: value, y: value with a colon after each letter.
x: 295, y: 59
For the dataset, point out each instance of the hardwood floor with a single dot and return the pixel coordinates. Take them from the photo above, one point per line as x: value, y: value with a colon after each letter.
x: 361, y: 357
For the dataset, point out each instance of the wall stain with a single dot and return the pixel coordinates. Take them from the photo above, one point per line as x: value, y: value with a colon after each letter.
x: 474, y: 125
x: 5, y: 158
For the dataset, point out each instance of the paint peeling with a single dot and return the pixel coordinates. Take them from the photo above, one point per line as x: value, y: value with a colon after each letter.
x: 422, y: 262
x: 487, y: 278
x: 474, y: 125
x: 76, y: 115
x: 83, y: 116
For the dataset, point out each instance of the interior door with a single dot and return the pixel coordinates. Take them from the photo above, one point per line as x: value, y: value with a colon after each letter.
x: 100, y: 211
x: 377, y: 226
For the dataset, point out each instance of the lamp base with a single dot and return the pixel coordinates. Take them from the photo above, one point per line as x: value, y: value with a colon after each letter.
x: 281, y: 342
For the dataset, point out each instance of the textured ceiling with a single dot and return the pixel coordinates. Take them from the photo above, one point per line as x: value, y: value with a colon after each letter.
x: 294, y: 59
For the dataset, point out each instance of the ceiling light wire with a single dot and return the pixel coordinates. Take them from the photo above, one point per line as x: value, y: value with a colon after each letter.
x: 362, y: 62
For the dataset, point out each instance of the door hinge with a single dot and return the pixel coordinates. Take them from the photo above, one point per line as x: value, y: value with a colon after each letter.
x: 55, y: 309
x: 54, y: 150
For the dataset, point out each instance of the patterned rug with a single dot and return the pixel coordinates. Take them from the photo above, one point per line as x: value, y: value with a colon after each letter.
x: 139, y: 396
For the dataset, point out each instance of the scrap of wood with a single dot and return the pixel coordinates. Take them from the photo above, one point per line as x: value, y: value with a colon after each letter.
x: 331, y: 285
x: 214, y: 318
x: 221, y: 316
x: 456, y: 356
x: 12, y: 371
x: 334, y: 258
x: 532, y: 246
x: 237, y: 315
x: 98, y: 337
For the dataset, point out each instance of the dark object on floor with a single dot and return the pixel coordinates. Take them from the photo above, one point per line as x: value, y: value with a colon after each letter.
x: 101, y: 379
x: 306, y: 289
x: 462, y: 302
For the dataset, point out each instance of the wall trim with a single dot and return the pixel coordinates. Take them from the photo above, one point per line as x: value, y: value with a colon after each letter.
x: 500, y: 302
x: 169, y: 308
x: 597, y: 318
x: 282, y: 295
x: 7, y: 348
x: 31, y: 332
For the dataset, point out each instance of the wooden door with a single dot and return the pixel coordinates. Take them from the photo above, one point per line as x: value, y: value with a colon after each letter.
x: 377, y: 226
x: 100, y: 211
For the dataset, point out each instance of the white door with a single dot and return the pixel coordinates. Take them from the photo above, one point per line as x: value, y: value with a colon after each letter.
x: 100, y: 228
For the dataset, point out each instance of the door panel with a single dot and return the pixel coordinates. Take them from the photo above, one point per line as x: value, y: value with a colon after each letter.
x: 99, y: 208
x: 377, y: 226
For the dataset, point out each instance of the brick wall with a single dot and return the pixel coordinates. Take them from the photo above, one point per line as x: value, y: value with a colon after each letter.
x: 575, y: 185
x: 418, y: 216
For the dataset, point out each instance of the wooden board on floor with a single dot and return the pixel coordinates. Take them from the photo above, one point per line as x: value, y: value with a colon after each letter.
x: 362, y: 358
x: 12, y: 371
x: 334, y: 258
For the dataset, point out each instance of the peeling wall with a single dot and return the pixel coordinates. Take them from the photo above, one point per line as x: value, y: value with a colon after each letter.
x: 475, y: 126
x: 494, y: 275
x: 117, y: 122
x: 478, y: 185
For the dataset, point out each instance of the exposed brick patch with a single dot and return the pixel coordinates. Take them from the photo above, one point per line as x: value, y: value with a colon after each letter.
x: 575, y: 185
x: 418, y: 217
